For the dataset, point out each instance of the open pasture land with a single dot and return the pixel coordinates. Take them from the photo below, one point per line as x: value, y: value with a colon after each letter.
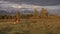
x: 30, y: 26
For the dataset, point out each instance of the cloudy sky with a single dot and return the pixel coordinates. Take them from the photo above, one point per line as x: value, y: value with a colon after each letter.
x: 37, y: 2
x: 53, y: 6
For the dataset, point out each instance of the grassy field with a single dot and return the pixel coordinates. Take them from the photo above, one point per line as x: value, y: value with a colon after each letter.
x: 31, y: 26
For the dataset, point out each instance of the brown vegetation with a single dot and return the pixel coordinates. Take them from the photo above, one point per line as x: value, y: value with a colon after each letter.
x: 29, y: 24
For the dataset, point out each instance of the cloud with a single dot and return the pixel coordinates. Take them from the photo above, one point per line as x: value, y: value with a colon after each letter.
x: 16, y: 5
x: 37, y: 2
x: 6, y: 5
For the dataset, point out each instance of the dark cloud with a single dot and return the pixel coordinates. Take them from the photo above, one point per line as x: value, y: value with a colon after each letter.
x: 37, y: 2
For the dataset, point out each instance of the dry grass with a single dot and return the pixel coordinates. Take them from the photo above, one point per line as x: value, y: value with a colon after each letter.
x: 33, y: 26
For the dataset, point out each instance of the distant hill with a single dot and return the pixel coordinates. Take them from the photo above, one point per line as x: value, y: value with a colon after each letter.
x: 3, y: 12
x: 27, y: 12
x: 14, y: 12
x: 6, y: 12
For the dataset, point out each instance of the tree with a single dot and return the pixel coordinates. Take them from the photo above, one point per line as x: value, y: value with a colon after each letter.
x: 44, y: 12
x: 18, y: 15
x: 35, y: 16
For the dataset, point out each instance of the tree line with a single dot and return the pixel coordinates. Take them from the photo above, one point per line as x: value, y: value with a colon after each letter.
x: 14, y: 16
